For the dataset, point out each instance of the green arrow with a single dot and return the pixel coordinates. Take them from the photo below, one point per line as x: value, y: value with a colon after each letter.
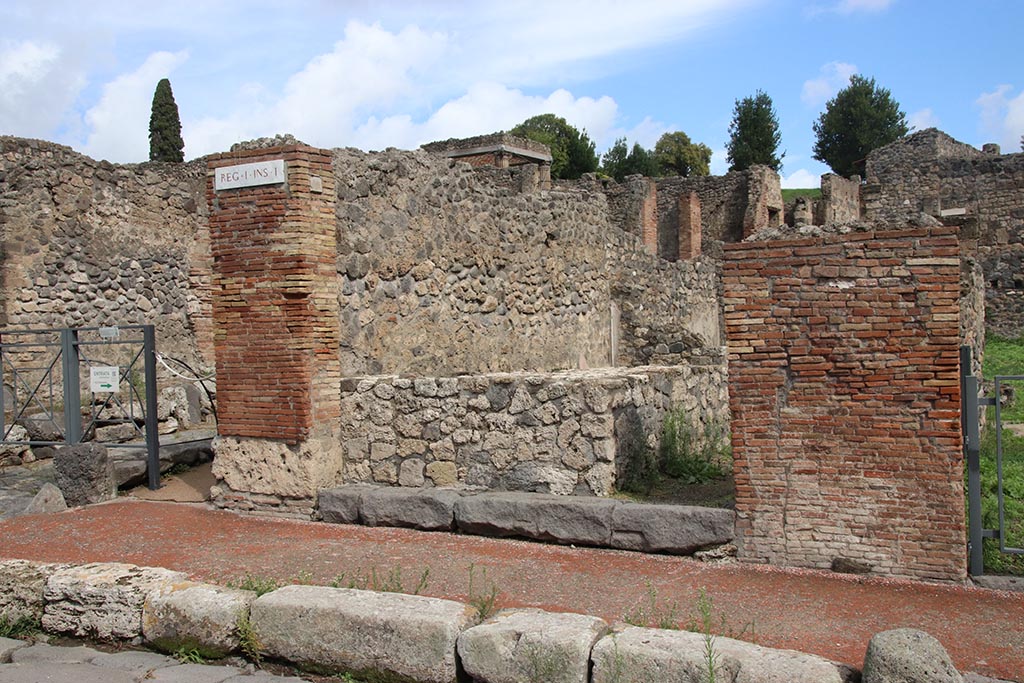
x: 106, y: 386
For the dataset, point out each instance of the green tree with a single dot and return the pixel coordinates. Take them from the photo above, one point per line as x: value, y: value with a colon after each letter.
x: 572, y: 152
x: 754, y: 134
x: 165, y: 143
x: 618, y: 163
x: 860, y: 118
x: 675, y: 154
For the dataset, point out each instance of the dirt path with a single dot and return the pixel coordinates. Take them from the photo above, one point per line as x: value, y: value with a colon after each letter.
x: 819, y: 612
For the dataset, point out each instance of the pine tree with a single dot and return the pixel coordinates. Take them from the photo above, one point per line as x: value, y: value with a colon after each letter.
x: 754, y: 134
x: 165, y: 143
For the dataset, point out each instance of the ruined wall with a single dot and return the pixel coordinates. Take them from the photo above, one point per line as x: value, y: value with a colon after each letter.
x: 931, y: 172
x: 564, y: 433
x: 844, y: 391
x: 90, y: 243
x: 839, y: 202
x: 443, y: 272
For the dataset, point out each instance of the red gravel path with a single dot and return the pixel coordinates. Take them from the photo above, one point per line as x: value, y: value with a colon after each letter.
x: 819, y: 612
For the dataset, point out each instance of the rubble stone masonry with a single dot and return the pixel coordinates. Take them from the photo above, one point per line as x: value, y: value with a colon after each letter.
x: 844, y: 393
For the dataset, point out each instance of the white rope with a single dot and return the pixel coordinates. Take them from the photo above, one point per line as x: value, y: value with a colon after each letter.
x: 171, y: 370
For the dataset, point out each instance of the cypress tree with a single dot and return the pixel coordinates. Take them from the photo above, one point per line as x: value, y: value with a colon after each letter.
x: 165, y: 143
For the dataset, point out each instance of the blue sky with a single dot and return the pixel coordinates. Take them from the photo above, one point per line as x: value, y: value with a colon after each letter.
x: 377, y: 74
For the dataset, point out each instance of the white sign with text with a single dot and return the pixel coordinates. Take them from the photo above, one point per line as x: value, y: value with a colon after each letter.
x: 247, y: 175
x: 104, y: 379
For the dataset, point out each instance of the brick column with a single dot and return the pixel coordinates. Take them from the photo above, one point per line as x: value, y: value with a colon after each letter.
x: 276, y: 331
x: 689, y: 226
x: 649, y: 215
x: 845, y: 400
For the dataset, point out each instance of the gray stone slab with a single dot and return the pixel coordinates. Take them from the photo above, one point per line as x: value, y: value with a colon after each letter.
x: 42, y: 652
x: 1001, y: 583
x: 539, y: 516
x: 264, y: 677
x: 102, y: 600
x: 341, y: 505
x: 134, y: 661
x: 388, y: 634
x: 49, y: 499
x: 640, y: 655
x: 196, y: 616
x: 906, y: 655
x: 194, y: 673
x: 676, y: 529
x: 50, y: 672
x: 531, y: 645
x: 428, y: 509
x: 7, y: 648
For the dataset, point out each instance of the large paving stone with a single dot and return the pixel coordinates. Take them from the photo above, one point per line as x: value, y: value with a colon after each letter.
x: 22, y: 585
x: 196, y: 616
x: 676, y: 529
x: 544, y: 517
x: 194, y: 673
x: 48, y: 672
x: 530, y: 645
x: 341, y: 505
x: 389, y: 634
x: 906, y: 655
x: 102, y: 600
x: 640, y: 655
x: 134, y: 661
x: 7, y: 648
x: 42, y: 652
x: 429, y: 509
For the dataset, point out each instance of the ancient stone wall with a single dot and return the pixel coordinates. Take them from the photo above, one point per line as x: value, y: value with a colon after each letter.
x: 90, y: 243
x: 839, y: 202
x: 844, y: 391
x: 565, y: 433
x: 932, y: 173
x: 444, y: 272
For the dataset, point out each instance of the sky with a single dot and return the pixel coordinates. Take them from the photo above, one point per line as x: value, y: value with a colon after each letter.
x: 377, y: 74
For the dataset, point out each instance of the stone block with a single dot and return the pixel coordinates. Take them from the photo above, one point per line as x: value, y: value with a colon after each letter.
x: 363, y: 632
x: 7, y: 648
x: 639, y: 655
x: 85, y: 474
x: 543, y: 517
x: 675, y: 529
x: 49, y: 499
x: 22, y: 585
x: 195, y: 616
x: 102, y: 600
x: 906, y: 655
x: 341, y: 505
x: 430, y: 509
x: 530, y: 645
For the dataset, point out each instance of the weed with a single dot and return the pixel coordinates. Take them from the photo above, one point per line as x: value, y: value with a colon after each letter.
x: 303, y: 578
x: 705, y: 608
x: 22, y: 627
x: 542, y: 666
x: 688, y: 457
x: 189, y: 655
x: 615, y: 663
x: 485, y: 603
x: 649, y: 612
x: 248, y: 643
x: 260, y: 585
x: 389, y: 583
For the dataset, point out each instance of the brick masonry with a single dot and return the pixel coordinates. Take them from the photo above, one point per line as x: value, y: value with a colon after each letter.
x: 689, y: 226
x: 844, y: 393
x: 275, y: 304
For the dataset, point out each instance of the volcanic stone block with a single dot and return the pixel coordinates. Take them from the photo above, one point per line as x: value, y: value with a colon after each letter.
x: 562, y: 519
x: 342, y: 505
x: 676, y: 529
x: 85, y: 474
x: 431, y: 509
x: 195, y: 616
x: 906, y: 655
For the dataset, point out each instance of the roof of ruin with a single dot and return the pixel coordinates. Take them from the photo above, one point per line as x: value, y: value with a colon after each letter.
x: 495, y: 142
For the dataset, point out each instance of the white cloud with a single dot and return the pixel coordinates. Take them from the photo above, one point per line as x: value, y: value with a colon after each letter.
x: 925, y: 118
x: 37, y: 85
x: 799, y: 179
x: 1002, y: 117
x: 119, y: 122
x: 834, y: 77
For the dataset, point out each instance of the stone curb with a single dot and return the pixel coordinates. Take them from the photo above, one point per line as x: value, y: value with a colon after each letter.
x: 407, y: 637
x: 567, y: 520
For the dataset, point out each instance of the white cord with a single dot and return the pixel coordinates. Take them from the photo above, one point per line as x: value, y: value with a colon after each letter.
x: 171, y: 370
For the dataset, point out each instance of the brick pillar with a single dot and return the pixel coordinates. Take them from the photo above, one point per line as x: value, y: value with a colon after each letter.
x: 545, y: 177
x: 275, y: 328
x: 649, y: 215
x: 689, y: 226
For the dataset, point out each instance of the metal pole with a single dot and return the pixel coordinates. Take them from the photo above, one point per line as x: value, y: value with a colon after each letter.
x: 972, y: 448
x: 152, y: 433
x: 72, y: 387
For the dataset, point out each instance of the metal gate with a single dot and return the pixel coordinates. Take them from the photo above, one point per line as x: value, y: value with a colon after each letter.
x: 46, y: 374
x: 970, y: 417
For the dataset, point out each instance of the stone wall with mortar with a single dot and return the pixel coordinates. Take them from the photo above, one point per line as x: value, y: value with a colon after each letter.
x: 844, y: 390
x: 839, y: 201
x: 90, y: 243
x: 444, y: 272
x: 565, y: 433
x: 930, y: 172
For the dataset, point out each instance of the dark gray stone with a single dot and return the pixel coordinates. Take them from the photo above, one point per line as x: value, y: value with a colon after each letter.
x: 675, y: 529
x: 544, y: 517
x: 85, y: 474
x: 429, y: 509
x: 341, y: 505
x: 38, y: 672
x: 906, y: 655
